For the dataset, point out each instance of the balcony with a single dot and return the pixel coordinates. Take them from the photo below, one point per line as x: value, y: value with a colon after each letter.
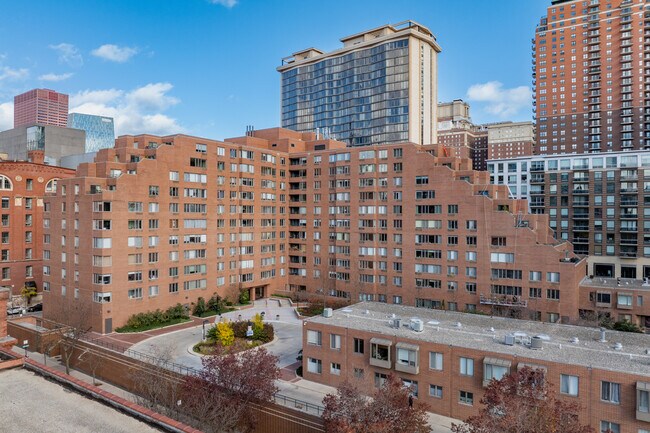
x: 581, y: 228
x: 380, y: 352
x: 503, y: 301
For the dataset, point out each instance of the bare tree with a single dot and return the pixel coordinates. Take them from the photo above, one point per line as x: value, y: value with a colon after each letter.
x: 71, y: 322
x: 154, y: 387
x: 392, y: 409
x: 523, y: 402
x: 221, y: 395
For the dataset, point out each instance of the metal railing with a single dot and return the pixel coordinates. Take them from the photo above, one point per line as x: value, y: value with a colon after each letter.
x: 278, y: 398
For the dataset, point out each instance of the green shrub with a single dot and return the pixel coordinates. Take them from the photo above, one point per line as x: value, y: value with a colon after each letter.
x: 200, y: 307
x: 244, y: 297
x: 153, y: 319
x: 216, y: 303
x: 627, y: 326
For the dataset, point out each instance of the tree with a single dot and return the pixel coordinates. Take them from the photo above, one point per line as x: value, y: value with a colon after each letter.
x: 221, y: 395
x: 225, y: 334
x: 258, y: 326
x: 390, y: 410
x: 71, y: 321
x: 523, y: 402
x: 28, y: 293
x: 200, y: 307
x: 216, y: 303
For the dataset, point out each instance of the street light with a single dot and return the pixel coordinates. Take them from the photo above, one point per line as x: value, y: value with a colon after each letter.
x: 205, y: 322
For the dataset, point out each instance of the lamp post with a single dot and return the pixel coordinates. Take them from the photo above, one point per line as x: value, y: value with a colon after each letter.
x: 205, y: 322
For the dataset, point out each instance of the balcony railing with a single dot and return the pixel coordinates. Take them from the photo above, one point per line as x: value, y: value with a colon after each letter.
x: 504, y: 301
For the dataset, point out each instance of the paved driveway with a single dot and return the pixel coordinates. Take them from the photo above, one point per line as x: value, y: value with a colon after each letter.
x: 288, y: 332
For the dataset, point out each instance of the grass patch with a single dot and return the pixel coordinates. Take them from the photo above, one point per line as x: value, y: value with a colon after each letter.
x: 152, y: 325
x: 275, y: 295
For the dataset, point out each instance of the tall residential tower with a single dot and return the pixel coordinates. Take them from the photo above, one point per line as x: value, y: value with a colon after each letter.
x: 380, y: 87
x: 590, y: 75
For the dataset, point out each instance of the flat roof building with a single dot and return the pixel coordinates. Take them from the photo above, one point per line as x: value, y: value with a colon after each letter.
x: 56, y: 142
x: 380, y: 87
x: 449, y: 358
x: 41, y: 106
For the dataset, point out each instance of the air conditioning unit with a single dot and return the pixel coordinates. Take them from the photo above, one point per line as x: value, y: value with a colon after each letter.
x: 417, y: 325
x: 327, y: 312
x: 509, y: 340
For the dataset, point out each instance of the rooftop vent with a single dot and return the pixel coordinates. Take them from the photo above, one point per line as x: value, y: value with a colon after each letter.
x: 327, y: 312
x: 459, y: 325
x: 603, y: 334
x: 509, y: 340
x: 618, y: 346
x: 395, y: 322
x: 575, y: 340
x: 433, y: 323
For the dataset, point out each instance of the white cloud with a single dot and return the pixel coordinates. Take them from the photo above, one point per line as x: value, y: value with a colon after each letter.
x: 227, y: 3
x: 7, y: 73
x: 138, y: 111
x: 55, y: 77
x: 114, y: 53
x: 6, y: 116
x: 68, y: 54
x: 499, y: 101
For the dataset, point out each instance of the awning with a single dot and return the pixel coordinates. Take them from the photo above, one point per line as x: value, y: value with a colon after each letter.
x: 498, y: 362
x: 381, y: 341
x: 407, y: 346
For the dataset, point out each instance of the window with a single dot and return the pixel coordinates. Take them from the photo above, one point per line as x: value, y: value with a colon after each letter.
x: 467, y: 366
x: 609, y: 427
x: 435, y: 360
x: 335, y: 368
x: 335, y: 341
x: 569, y: 384
x: 407, y: 355
x: 494, y: 369
x: 314, y: 338
x: 553, y: 277
x: 380, y: 378
x: 466, y: 397
x: 643, y: 399
x: 435, y: 391
x: 610, y: 391
x: 358, y: 345
x: 314, y: 366
x: 358, y: 373
x: 135, y: 293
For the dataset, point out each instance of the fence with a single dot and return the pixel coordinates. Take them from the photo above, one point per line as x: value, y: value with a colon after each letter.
x: 280, y: 399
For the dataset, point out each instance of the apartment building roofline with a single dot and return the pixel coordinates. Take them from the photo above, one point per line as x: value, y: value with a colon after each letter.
x: 581, y: 345
x: 379, y: 35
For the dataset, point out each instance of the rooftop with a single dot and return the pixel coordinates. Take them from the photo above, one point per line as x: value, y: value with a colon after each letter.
x: 615, y: 283
x: 487, y: 334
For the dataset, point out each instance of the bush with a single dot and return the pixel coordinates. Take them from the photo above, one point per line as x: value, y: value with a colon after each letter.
x: 154, y: 319
x: 239, y: 329
x: 244, y: 297
x: 224, y: 334
x: 627, y: 326
x: 216, y: 303
x: 200, y: 307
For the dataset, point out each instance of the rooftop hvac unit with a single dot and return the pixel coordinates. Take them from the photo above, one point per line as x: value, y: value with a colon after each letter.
x: 417, y: 325
x: 509, y: 340
x: 327, y: 312
x: 536, y: 343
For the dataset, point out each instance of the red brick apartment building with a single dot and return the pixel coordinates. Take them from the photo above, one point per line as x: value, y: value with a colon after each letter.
x: 175, y: 218
x: 449, y: 358
x: 23, y: 185
x: 591, y: 75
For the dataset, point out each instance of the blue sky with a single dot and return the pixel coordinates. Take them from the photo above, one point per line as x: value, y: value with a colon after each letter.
x: 207, y: 67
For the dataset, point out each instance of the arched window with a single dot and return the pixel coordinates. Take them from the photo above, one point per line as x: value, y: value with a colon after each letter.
x: 5, y: 183
x: 51, y: 185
